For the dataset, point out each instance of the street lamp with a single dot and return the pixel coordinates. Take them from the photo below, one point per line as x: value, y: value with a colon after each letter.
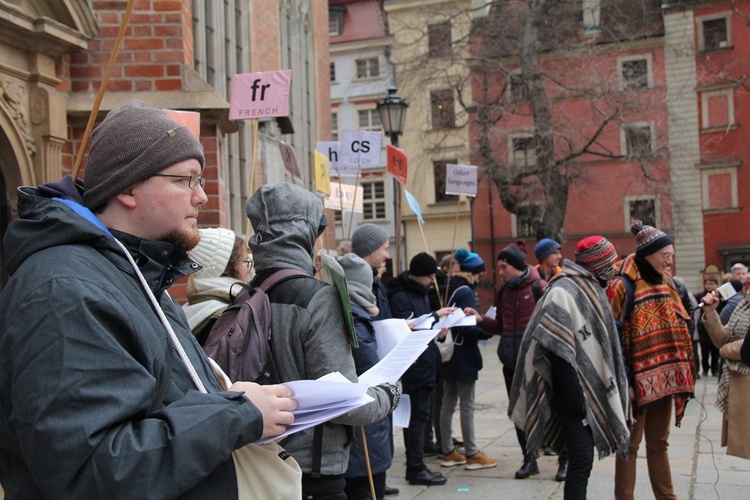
x: 392, y: 116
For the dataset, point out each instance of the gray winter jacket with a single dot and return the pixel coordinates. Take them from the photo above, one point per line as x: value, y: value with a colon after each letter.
x: 94, y: 403
x: 308, y: 337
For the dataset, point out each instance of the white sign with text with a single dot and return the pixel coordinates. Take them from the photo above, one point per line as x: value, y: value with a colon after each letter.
x: 461, y: 179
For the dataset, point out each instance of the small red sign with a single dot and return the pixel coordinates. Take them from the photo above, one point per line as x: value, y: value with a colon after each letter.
x: 397, y: 164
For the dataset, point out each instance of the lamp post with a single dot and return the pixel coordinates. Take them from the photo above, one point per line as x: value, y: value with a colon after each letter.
x: 392, y: 112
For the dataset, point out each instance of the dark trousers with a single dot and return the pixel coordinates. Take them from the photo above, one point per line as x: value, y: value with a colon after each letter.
x: 708, y: 349
x: 520, y: 434
x: 414, y: 434
x: 433, y: 423
x: 580, y: 454
x: 358, y: 488
x: 323, y: 487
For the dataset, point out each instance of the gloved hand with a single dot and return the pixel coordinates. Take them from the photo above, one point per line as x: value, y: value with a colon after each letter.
x: 394, y: 394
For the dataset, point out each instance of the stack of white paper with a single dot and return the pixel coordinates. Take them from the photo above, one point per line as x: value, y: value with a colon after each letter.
x: 322, y: 400
x: 399, y: 359
x: 424, y: 322
x: 389, y: 333
x: 456, y: 318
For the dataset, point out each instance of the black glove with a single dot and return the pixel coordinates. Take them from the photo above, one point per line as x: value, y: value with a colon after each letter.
x: 394, y: 394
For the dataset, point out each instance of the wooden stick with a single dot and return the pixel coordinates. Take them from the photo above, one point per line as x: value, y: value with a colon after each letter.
x: 341, y: 206
x: 254, y: 145
x: 351, y: 217
x: 453, y: 249
x: 102, y: 89
x: 367, y: 462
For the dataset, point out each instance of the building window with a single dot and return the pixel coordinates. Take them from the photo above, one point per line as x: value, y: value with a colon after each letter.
x: 523, y: 152
x: 373, y: 200
x: 441, y: 104
x: 717, y: 109
x: 635, y: 73
x: 369, y: 119
x: 335, y: 23
x: 527, y: 222
x: 367, y: 68
x: 439, y: 168
x: 439, y: 39
x: 637, y: 141
x: 332, y: 69
x: 592, y: 16
x: 719, y: 186
x: 220, y: 50
x: 643, y: 208
x: 715, y: 32
x: 517, y: 91
x: 335, y: 127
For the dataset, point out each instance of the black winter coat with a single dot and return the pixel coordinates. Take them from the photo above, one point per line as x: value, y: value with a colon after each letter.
x: 409, y: 299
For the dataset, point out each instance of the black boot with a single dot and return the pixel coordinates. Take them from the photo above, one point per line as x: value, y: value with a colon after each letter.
x: 423, y: 476
x: 528, y: 469
x: 562, y: 470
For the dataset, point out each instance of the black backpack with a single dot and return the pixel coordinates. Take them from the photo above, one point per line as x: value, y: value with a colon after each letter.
x: 240, y: 340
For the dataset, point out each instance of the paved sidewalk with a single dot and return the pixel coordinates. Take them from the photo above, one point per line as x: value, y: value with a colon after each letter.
x: 701, y: 469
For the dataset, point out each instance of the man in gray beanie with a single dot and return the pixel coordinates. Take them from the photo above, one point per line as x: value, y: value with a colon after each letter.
x: 118, y: 385
x: 371, y: 242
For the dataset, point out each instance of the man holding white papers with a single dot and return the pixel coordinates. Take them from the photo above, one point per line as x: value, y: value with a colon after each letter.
x: 308, y: 338
x: 408, y: 298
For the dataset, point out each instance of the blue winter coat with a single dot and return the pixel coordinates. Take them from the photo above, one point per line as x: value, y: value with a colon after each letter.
x: 378, y: 434
x: 467, y: 360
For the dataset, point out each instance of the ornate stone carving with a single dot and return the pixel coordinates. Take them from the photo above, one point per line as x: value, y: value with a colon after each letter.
x: 13, y: 98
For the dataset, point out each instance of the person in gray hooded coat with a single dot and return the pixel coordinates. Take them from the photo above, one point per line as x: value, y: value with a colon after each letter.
x: 309, y: 338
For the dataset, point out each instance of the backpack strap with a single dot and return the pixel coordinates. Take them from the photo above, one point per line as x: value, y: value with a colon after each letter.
x: 629, y: 296
x: 317, y: 450
x: 536, y: 289
x: 279, y: 276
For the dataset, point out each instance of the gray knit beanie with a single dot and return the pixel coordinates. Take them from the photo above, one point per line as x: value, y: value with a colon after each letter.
x: 131, y: 144
x: 367, y: 238
x: 358, y: 279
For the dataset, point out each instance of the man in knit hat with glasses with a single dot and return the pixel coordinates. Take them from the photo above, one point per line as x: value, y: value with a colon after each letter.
x: 106, y: 393
x: 658, y: 352
x: 571, y: 342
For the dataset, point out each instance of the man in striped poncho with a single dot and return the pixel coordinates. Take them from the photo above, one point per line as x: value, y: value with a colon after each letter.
x: 569, y: 387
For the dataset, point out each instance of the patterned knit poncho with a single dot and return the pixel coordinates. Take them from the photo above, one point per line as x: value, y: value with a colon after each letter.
x: 572, y: 320
x: 656, y: 342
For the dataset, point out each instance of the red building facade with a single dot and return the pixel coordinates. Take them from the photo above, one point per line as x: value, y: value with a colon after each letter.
x: 607, y: 101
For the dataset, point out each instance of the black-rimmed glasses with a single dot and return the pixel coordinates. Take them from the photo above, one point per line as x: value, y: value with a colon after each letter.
x: 193, y: 180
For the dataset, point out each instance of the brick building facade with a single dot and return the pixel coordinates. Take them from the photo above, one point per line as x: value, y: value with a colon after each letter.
x: 175, y: 54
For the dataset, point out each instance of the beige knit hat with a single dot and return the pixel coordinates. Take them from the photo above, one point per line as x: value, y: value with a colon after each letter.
x: 213, y: 251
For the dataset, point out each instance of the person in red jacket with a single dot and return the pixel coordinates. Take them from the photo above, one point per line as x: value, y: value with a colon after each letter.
x: 515, y: 300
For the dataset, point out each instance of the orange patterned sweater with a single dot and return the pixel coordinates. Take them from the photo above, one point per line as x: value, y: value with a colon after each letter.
x: 656, y: 343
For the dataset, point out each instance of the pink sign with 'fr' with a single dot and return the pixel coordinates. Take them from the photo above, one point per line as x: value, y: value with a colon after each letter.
x: 260, y: 95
